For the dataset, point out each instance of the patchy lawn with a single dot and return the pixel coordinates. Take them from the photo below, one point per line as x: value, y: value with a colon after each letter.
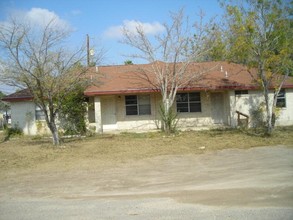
x: 27, y: 153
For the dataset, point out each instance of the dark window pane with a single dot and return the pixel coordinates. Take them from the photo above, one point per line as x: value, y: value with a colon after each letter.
x: 131, y: 110
x: 241, y: 92
x: 195, y: 107
x: 281, y: 99
x: 144, y: 109
x: 281, y: 103
x: 182, y: 97
x: 40, y: 115
x: 194, y: 96
x: 182, y: 107
x: 130, y: 99
x: 281, y: 94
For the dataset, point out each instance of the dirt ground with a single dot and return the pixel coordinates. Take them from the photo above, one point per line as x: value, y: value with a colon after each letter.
x: 254, y: 183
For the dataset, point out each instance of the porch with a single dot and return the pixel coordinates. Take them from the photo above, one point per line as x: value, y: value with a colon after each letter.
x: 108, y: 113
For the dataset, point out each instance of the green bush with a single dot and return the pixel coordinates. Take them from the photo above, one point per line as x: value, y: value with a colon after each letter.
x: 12, y: 132
x: 169, y: 120
x: 258, y: 119
x: 72, y: 113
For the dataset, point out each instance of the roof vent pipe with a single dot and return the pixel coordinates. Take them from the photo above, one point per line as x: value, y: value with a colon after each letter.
x: 226, y: 74
x: 97, y: 69
x: 221, y: 68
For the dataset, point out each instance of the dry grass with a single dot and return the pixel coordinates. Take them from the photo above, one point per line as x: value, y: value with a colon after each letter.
x: 26, y: 153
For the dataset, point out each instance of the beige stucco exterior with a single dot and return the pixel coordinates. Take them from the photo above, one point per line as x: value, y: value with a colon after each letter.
x: 107, y: 113
x: 114, y: 118
x: 23, y: 116
x: 249, y: 102
x: 218, y: 109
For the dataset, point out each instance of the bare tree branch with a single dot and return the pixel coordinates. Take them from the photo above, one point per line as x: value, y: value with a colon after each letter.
x: 36, y: 58
x: 170, y: 56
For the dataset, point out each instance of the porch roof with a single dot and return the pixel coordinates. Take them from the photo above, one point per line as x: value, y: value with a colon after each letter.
x: 130, y: 79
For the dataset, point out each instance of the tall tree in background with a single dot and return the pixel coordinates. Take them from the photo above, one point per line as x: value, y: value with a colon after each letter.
x: 36, y: 57
x: 4, y: 107
x: 177, y: 47
x: 259, y: 34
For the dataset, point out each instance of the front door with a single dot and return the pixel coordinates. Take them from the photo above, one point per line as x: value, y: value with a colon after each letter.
x: 109, y: 113
x: 217, y: 104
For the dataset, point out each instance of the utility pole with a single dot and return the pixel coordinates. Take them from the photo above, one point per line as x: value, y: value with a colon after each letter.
x: 88, y: 49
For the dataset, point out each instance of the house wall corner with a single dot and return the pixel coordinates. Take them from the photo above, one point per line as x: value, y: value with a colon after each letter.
x: 98, y: 114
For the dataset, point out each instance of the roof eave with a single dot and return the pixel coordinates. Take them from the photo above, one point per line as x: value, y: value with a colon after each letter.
x: 17, y: 99
x: 133, y: 91
x: 200, y: 88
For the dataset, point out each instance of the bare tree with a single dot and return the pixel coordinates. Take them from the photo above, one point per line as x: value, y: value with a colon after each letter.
x: 36, y: 57
x: 177, y: 48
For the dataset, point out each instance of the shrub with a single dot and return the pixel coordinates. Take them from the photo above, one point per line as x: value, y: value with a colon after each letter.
x: 12, y: 132
x: 169, y: 120
x: 72, y: 113
x: 257, y: 117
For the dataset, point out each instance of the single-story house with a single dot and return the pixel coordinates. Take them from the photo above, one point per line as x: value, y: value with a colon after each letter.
x: 124, y: 100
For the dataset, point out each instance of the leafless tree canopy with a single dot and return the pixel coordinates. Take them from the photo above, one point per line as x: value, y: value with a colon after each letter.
x: 36, y: 57
x: 170, y: 54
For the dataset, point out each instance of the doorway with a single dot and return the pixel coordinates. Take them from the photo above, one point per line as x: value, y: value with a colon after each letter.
x: 109, y: 120
x: 217, y: 105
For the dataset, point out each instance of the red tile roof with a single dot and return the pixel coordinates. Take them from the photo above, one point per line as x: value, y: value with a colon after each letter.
x: 125, y: 79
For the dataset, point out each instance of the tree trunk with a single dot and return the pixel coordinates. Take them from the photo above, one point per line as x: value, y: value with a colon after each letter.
x: 269, y: 127
x: 168, y: 118
x: 273, y: 119
x: 165, y: 116
x: 55, y: 135
x: 266, y: 85
x: 56, y: 140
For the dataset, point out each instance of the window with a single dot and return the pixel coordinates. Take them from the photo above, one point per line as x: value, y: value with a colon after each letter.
x: 188, y: 102
x: 281, y: 99
x: 40, y: 115
x: 138, y: 105
x: 241, y: 92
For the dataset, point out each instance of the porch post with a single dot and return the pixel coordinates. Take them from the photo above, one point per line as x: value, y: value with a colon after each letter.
x: 233, y: 118
x: 98, y: 115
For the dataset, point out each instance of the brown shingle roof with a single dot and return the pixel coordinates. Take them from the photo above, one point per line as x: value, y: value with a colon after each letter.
x: 125, y: 79
x: 22, y: 95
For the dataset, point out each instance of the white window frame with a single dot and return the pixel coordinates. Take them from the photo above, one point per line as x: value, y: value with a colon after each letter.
x: 138, y: 104
x: 188, y: 102
x: 281, y: 99
x: 241, y: 92
x: 39, y: 114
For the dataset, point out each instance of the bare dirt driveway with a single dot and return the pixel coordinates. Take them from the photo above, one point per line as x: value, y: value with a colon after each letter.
x: 254, y: 183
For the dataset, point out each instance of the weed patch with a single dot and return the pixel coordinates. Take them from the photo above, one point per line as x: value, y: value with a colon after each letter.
x: 38, y: 153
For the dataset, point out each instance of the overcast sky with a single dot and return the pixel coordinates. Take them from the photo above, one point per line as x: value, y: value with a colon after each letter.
x: 103, y: 19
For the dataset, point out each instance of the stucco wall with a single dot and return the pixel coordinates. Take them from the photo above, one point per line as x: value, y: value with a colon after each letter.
x: 23, y: 117
x: 114, y: 116
x: 137, y: 122
x: 191, y: 120
x: 286, y: 114
x: 134, y: 123
x: 231, y: 103
x: 247, y: 103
